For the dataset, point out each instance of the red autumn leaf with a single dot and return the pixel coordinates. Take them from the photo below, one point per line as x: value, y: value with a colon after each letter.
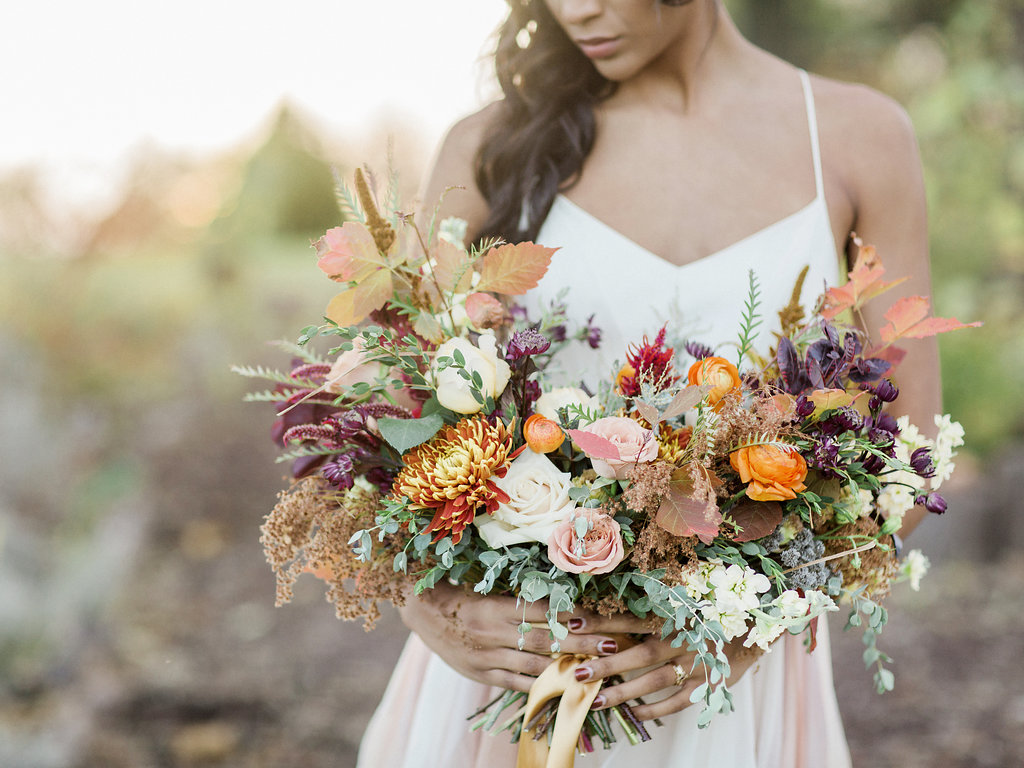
x: 348, y: 253
x: 514, y: 269
x: 756, y: 519
x: 595, y: 446
x: 908, y: 319
x: 452, y: 267
x: 484, y: 311
x: 354, y: 304
x: 865, y: 282
x: 682, y: 513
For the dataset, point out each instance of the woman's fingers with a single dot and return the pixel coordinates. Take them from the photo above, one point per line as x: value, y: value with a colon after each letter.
x: 646, y: 654
x: 619, y: 624
x: 658, y: 679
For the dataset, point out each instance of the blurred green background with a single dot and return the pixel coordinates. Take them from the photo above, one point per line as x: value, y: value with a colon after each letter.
x: 136, y: 617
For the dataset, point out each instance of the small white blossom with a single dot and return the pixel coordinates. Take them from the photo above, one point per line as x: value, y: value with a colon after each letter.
x: 915, y: 565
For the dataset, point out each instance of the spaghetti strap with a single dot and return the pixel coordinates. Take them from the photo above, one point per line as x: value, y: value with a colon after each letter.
x: 812, y: 127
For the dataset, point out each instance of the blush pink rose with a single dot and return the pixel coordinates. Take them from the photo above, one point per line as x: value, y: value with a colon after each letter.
x: 598, y: 550
x: 636, y: 445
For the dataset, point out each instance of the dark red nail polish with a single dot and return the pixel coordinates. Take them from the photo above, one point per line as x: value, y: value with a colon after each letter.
x: 599, y: 701
x: 607, y: 646
x: 583, y: 674
x: 575, y: 625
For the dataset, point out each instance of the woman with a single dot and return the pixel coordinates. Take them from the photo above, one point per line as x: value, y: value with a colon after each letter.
x: 665, y: 155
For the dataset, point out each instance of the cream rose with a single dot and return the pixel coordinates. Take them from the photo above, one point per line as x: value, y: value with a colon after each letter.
x: 453, y: 391
x: 538, y: 501
x: 636, y: 445
x: 562, y: 397
x: 598, y: 550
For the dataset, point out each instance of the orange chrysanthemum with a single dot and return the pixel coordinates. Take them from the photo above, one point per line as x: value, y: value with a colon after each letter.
x: 452, y: 474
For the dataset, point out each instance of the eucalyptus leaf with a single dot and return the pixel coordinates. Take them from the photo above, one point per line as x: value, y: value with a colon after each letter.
x: 403, y: 434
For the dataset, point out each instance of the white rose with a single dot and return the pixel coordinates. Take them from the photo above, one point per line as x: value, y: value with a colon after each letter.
x: 547, y: 404
x: 453, y: 391
x: 538, y: 501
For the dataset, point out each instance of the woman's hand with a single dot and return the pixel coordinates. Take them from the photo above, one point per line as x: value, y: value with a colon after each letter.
x: 651, y: 652
x: 478, y: 635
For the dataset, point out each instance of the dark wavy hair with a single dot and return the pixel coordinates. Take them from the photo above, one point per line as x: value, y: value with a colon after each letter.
x: 543, y: 129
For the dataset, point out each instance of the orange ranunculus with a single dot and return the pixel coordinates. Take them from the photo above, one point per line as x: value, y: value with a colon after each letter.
x: 716, y: 372
x: 772, y: 473
x: 542, y: 434
x: 627, y: 371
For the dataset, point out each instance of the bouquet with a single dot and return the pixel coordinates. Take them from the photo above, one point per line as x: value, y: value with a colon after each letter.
x: 725, y: 501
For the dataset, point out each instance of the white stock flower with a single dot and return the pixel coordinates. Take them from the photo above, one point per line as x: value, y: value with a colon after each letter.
x: 453, y: 230
x: 735, y: 594
x: 915, y: 565
x: 453, y: 391
x: 764, y: 633
x: 562, y: 397
x: 950, y: 437
x: 538, y: 501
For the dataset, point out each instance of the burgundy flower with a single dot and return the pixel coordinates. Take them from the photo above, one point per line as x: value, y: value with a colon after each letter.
x: 933, y: 502
x: 698, y: 351
x: 526, y: 343
x: 804, y: 407
x: 921, y: 461
x: 338, y: 472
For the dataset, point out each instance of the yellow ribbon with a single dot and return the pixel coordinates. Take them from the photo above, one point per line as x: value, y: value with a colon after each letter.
x: 557, y: 680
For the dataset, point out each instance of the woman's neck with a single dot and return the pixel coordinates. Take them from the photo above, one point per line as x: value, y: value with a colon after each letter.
x: 709, y: 57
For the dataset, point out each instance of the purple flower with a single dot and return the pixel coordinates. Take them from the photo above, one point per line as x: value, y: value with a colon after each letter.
x: 526, y: 343
x: 873, y: 465
x: 381, y: 477
x: 557, y: 333
x: 533, y: 393
x: 886, y: 391
x: 933, y: 502
x: 848, y: 419
x: 338, y: 472
x: 804, y: 407
x: 698, y: 351
x: 826, y: 457
x: 591, y: 334
x: 921, y: 461
x: 517, y: 312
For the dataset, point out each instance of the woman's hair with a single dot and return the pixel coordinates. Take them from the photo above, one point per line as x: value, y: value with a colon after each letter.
x: 543, y: 129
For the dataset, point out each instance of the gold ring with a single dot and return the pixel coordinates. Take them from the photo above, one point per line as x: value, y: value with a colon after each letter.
x: 681, y: 676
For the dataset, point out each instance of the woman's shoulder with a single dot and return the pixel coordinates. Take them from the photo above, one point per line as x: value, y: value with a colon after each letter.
x: 454, y: 165
x: 867, y: 139
x: 861, y: 122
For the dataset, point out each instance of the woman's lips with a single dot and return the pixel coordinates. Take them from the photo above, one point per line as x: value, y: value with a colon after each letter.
x: 598, y: 47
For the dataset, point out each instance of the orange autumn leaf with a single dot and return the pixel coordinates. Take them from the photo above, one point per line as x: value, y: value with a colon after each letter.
x: 514, y: 269
x: 908, y: 319
x: 354, y: 304
x: 865, y: 282
x: 452, y: 267
x: 348, y: 253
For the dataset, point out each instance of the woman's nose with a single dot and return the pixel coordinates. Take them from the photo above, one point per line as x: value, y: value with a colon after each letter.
x: 576, y: 11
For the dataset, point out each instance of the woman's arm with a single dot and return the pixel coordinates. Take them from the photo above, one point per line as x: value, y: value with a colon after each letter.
x: 872, y: 143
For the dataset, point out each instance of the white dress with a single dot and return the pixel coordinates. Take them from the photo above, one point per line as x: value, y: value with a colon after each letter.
x: 786, y: 712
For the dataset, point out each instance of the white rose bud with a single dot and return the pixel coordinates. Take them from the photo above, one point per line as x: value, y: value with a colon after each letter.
x: 453, y: 391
